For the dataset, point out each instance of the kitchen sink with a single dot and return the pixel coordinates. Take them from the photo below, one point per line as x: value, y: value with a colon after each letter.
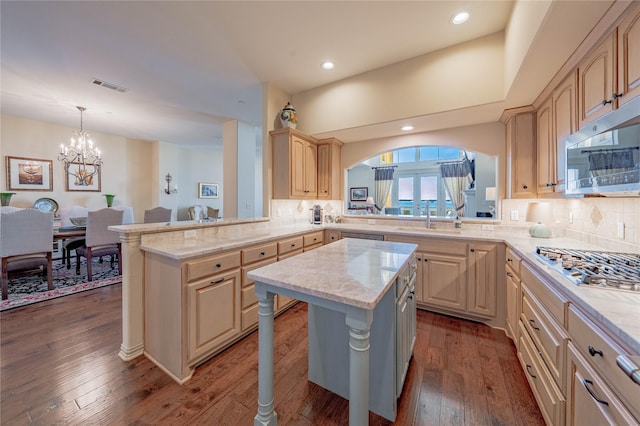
x: 428, y: 230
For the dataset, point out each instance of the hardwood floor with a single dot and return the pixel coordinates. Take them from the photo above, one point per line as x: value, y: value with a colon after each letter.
x: 59, y: 365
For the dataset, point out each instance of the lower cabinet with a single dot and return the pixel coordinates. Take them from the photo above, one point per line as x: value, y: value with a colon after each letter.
x: 589, y: 399
x: 213, y: 307
x: 443, y: 280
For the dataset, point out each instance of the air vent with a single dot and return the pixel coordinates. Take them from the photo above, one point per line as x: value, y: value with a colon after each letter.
x: 110, y: 86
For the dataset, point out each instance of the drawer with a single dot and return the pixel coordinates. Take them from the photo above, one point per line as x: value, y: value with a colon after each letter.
x: 314, y: 238
x: 601, y: 353
x: 255, y: 254
x: 547, y: 335
x: 332, y: 236
x: 589, y: 399
x: 513, y: 260
x: 249, y: 317
x: 248, y: 296
x: 200, y: 268
x: 554, y: 302
x: 550, y: 399
x: 246, y: 281
x: 290, y: 244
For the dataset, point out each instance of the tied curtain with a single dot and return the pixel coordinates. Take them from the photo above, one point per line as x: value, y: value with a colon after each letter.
x: 456, y: 177
x: 612, y: 162
x: 383, y: 180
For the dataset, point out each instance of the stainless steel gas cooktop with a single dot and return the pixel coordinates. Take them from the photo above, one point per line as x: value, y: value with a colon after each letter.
x: 594, y: 268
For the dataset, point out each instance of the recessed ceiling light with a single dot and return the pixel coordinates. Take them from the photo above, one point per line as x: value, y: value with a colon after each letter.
x: 327, y: 65
x: 407, y: 128
x: 461, y: 17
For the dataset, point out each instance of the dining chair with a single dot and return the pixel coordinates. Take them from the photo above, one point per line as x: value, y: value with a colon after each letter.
x: 197, y: 212
x: 26, y: 243
x: 213, y: 213
x: 99, y: 240
x: 157, y: 215
x: 69, y: 244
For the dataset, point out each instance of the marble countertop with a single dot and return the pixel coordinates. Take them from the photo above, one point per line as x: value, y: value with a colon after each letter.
x: 618, y: 310
x: 350, y: 271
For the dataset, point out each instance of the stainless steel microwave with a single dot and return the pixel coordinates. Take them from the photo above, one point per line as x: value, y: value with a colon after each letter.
x: 604, y: 156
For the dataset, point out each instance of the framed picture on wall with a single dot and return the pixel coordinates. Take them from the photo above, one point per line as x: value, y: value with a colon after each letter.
x: 359, y: 193
x: 207, y: 190
x: 73, y: 183
x: 29, y: 174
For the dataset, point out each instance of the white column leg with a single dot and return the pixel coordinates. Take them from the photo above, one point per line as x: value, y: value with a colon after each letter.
x: 266, y: 414
x: 359, y: 323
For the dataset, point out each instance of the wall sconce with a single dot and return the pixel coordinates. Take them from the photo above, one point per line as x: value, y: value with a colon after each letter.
x: 167, y: 189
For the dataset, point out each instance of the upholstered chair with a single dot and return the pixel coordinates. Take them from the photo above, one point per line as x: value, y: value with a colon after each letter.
x: 69, y: 244
x: 213, y: 213
x: 197, y: 212
x: 156, y: 215
x: 99, y: 240
x: 26, y: 243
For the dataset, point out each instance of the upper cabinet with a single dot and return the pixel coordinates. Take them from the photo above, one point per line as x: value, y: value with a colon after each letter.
x: 521, y: 152
x: 629, y: 56
x: 301, y: 163
x: 610, y: 75
x: 546, y: 174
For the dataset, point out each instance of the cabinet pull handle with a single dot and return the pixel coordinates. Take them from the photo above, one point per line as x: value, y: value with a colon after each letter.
x: 587, y: 384
x: 218, y: 281
x: 593, y: 351
x: 293, y: 245
x: 529, y: 372
x: 533, y: 324
x: 551, y: 184
x: 218, y: 265
x: 629, y: 367
x: 607, y: 101
x: 509, y: 274
x: 616, y: 96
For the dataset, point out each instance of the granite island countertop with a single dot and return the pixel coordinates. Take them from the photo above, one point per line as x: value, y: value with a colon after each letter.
x: 618, y: 310
x: 349, y: 271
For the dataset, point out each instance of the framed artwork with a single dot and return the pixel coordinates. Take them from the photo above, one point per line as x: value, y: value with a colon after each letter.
x: 94, y: 181
x: 359, y: 194
x: 29, y: 174
x: 207, y: 190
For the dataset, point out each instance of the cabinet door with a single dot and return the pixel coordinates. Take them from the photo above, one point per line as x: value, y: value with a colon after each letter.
x: 513, y: 312
x: 310, y: 170
x: 297, y: 165
x: 629, y: 57
x: 444, y: 280
x: 213, y: 310
x: 482, y: 279
x: 546, y: 154
x: 324, y: 171
x: 596, y: 82
x: 564, y: 113
x: 589, y: 400
x: 521, y: 153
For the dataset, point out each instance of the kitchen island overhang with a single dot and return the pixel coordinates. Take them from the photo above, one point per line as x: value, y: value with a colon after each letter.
x: 349, y: 276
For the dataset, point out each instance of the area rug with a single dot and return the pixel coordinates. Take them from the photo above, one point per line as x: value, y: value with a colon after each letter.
x: 33, y: 288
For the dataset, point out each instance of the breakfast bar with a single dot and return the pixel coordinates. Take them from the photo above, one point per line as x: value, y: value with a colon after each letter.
x: 350, y: 277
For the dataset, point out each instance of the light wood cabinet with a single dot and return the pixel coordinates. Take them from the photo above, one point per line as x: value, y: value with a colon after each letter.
x: 304, y: 167
x: 597, y: 82
x: 213, y: 309
x: 629, y: 56
x: 294, y: 165
x: 512, y: 291
x: 564, y: 124
x: 444, y: 281
x: 546, y: 149
x: 481, y: 279
x: 331, y: 236
x: 521, y: 152
x: 329, y: 173
x: 589, y: 399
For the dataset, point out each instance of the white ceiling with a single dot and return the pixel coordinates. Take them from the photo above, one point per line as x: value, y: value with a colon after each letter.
x: 190, y: 66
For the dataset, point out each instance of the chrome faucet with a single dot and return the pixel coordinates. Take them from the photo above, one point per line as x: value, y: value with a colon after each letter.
x: 427, y: 222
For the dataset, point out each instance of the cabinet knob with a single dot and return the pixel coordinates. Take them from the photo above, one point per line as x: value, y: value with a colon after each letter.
x: 472, y: 250
x: 293, y: 245
x: 509, y: 259
x: 525, y: 187
x: 262, y: 253
x: 593, y: 351
x: 218, y: 265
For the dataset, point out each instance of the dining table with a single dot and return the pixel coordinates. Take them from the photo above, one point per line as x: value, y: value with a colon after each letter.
x: 60, y: 234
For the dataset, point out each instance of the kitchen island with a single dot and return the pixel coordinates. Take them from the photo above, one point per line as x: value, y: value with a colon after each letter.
x: 350, y: 277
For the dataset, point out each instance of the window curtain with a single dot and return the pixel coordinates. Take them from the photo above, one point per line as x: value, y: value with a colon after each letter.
x: 456, y: 177
x: 383, y: 180
x: 612, y: 162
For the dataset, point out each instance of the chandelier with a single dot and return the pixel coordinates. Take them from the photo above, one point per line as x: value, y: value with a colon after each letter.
x: 81, y: 153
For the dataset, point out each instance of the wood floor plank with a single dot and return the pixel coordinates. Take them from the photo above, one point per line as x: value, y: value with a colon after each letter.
x: 59, y: 365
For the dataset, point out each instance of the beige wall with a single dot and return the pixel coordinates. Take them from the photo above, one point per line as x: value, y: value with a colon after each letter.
x: 468, y: 74
x: 125, y: 171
